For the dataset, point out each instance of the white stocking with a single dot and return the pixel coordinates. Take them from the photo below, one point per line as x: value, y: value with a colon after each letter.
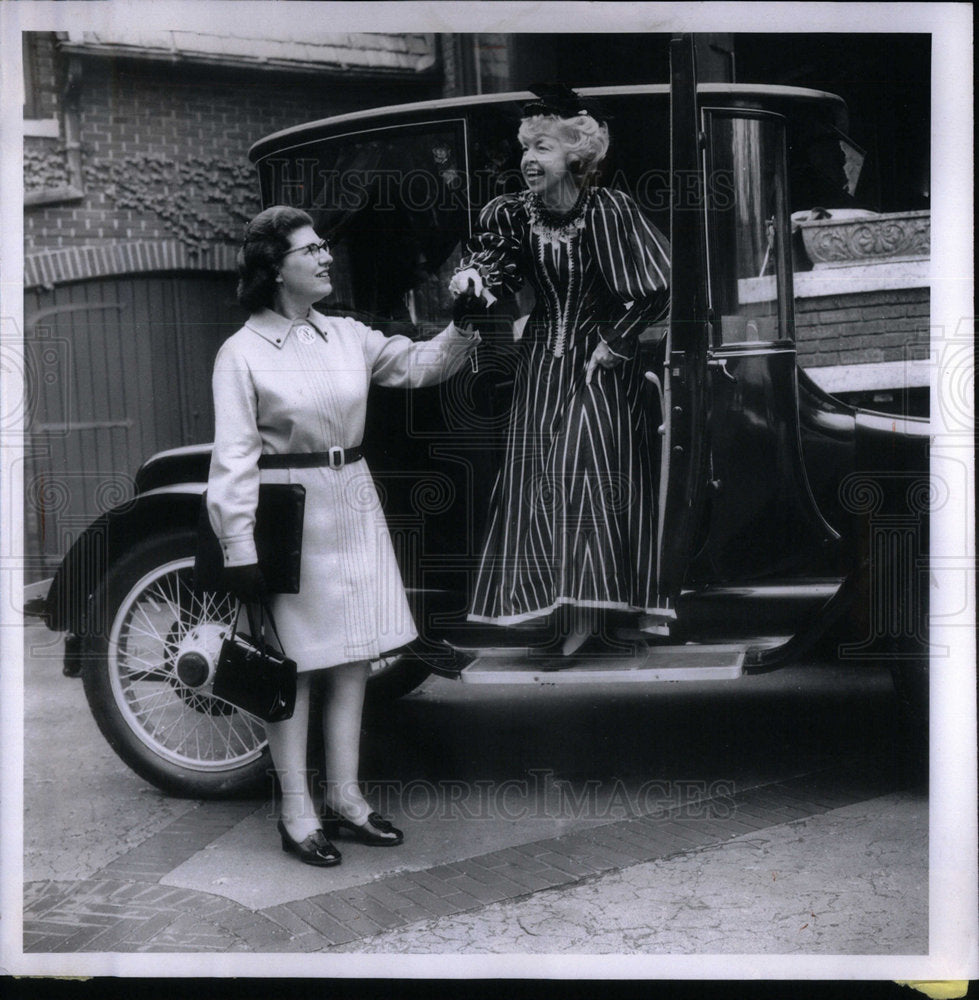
x: 287, y: 743
x: 343, y: 706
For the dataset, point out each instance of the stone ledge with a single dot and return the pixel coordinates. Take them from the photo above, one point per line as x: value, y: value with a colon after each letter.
x: 881, y: 276
x: 880, y: 375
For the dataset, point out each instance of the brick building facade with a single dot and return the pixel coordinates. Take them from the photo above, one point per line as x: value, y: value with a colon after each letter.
x: 870, y: 348
x: 163, y: 144
x: 868, y: 327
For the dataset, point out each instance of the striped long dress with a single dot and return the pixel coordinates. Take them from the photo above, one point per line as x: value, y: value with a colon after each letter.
x: 572, y: 515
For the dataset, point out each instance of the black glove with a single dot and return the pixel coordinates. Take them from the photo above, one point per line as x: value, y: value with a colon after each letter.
x: 468, y: 308
x: 246, y: 583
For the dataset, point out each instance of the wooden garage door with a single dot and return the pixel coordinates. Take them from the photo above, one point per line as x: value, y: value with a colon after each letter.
x: 118, y: 368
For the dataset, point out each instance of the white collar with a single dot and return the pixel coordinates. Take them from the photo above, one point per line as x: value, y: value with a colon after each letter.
x: 275, y: 328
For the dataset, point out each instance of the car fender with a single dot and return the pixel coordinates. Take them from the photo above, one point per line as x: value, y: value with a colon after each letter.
x: 69, y: 605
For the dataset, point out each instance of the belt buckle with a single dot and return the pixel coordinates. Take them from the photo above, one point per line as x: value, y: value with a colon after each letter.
x: 336, y: 457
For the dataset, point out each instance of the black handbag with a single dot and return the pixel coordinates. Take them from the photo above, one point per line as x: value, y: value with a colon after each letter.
x: 278, y: 540
x: 254, y: 676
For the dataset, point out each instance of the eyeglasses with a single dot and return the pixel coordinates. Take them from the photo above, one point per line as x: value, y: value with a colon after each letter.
x: 311, y: 249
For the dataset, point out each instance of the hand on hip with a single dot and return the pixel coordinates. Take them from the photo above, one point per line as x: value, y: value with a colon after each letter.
x: 602, y: 357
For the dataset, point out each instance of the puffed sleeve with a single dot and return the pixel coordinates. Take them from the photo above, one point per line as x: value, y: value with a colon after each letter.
x: 634, y: 259
x: 232, y: 483
x: 494, y: 249
x: 400, y: 361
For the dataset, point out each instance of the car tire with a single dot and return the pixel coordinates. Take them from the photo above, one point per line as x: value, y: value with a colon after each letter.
x: 131, y: 706
x: 165, y: 725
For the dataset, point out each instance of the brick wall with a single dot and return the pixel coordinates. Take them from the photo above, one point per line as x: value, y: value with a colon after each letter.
x: 863, y: 328
x: 164, y: 148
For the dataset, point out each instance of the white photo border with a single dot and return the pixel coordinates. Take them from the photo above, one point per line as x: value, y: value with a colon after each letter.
x: 953, y: 873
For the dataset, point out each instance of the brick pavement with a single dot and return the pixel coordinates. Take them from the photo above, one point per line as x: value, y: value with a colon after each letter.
x: 123, y: 908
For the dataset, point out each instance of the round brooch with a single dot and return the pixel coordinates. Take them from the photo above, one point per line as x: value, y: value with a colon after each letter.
x: 306, y: 334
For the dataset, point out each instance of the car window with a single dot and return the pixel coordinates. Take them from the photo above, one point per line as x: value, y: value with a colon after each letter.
x: 747, y: 227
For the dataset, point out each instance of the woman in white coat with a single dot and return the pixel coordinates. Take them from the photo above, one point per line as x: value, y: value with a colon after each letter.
x: 290, y: 396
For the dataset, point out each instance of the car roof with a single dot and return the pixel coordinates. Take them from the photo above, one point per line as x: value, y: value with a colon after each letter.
x: 723, y: 94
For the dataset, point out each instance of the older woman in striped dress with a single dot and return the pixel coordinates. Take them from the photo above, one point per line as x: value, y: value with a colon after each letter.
x: 572, y: 518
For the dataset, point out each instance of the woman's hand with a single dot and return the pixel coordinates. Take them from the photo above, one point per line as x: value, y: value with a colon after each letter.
x: 468, y: 307
x: 603, y: 357
x: 466, y: 282
x: 246, y: 583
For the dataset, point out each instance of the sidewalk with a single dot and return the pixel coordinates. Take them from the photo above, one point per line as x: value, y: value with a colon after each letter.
x: 781, y: 891
x: 758, y: 871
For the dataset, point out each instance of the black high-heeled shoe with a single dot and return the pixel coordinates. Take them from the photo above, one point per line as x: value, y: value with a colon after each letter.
x: 376, y: 832
x: 314, y: 850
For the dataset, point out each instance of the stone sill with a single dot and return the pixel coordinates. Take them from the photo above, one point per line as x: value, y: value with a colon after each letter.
x: 42, y: 128
x: 51, y: 196
x: 876, y: 375
x: 853, y: 236
x: 882, y: 276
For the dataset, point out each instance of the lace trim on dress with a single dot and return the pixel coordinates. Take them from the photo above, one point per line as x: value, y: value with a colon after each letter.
x: 553, y: 227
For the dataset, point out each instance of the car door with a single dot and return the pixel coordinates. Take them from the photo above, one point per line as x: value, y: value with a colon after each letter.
x: 766, y: 562
x: 764, y: 522
x: 683, y: 379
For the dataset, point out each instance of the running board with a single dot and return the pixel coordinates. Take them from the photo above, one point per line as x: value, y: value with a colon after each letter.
x: 654, y: 664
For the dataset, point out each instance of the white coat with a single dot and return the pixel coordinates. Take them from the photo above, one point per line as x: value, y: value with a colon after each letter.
x: 282, y: 386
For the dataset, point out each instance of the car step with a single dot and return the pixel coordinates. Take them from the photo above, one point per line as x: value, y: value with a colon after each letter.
x: 655, y: 663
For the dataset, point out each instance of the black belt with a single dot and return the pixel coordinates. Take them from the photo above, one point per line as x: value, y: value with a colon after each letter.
x: 335, y: 458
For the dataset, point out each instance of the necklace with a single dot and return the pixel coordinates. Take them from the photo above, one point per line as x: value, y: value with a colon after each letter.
x: 554, y: 227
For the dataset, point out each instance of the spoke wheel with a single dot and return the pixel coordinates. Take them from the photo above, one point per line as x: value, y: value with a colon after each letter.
x: 149, y: 679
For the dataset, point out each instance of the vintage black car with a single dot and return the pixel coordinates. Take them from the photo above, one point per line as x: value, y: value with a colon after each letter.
x: 786, y: 517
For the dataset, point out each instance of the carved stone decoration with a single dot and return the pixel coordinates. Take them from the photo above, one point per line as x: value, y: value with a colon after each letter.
x: 843, y: 242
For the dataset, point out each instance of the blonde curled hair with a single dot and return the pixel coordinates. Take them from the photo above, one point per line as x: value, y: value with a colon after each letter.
x: 584, y: 139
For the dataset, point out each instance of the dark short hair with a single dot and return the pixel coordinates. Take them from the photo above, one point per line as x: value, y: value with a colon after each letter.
x: 266, y: 242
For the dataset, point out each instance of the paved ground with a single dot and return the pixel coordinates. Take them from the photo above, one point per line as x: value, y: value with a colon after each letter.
x: 757, y: 871
x: 781, y: 890
x: 805, y: 839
